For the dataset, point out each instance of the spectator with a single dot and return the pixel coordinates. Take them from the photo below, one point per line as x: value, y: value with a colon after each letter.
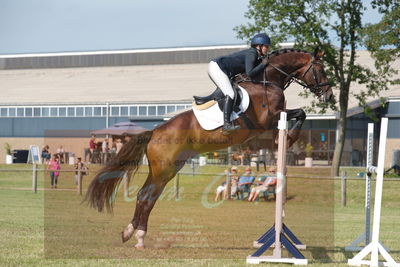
x: 245, y: 182
x: 118, y: 145
x: 265, y: 184
x: 92, y: 146
x: 234, y: 181
x: 45, y: 154
x: 127, y: 138
x: 236, y: 159
x: 79, y: 166
x: 104, y: 150
x: 53, y: 166
x: 221, y: 189
x: 60, y: 153
x: 246, y: 156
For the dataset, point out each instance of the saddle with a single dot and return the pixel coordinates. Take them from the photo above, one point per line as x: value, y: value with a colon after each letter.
x: 218, y: 96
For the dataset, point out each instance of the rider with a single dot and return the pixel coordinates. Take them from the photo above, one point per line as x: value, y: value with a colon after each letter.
x: 224, y: 68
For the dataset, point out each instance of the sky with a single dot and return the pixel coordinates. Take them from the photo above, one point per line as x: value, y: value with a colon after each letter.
x: 80, y: 25
x: 38, y: 26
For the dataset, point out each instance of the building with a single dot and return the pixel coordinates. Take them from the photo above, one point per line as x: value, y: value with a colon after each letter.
x: 58, y: 98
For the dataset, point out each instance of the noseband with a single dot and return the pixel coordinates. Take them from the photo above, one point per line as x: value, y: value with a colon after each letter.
x: 318, y: 85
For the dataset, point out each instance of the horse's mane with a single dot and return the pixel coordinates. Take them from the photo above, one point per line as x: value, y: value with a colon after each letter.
x: 285, y: 51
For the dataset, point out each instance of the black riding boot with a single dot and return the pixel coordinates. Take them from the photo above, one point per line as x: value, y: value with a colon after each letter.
x: 228, y: 125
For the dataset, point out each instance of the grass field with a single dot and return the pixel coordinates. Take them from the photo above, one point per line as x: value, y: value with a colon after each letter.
x: 53, y: 228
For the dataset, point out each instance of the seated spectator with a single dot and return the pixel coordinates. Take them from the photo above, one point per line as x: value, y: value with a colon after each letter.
x: 245, y: 182
x: 267, y: 182
x: 220, y: 191
x: 46, y: 154
x: 396, y: 169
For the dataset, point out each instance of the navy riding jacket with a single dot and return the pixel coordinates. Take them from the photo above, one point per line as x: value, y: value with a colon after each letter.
x: 244, y: 61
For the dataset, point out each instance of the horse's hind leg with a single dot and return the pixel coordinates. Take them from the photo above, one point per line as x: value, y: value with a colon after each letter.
x: 133, y: 225
x: 146, y: 198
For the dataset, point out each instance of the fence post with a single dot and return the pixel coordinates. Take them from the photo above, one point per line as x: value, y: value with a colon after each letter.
x: 79, y: 189
x: 177, y: 187
x: 34, y: 178
x: 228, y: 185
x: 344, y: 188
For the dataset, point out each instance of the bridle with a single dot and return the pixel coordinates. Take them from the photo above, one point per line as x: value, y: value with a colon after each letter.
x: 290, y: 78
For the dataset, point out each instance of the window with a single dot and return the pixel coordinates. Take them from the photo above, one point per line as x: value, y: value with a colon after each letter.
x: 104, y: 110
x: 152, y: 110
x: 20, y: 112
x: 53, y: 112
x: 45, y: 112
x: 133, y: 111
x: 124, y: 111
x: 88, y: 111
x: 71, y: 112
x: 3, y: 112
x: 142, y: 111
x: 28, y: 112
x: 11, y: 112
x: 180, y: 107
x: 79, y: 111
x: 36, y: 112
x: 161, y: 110
x: 114, y: 111
x: 97, y: 111
x: 62, y: 112
x: 170, y: 109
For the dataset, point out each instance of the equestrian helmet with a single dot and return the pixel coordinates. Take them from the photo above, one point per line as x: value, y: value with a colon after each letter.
x: 261, y: 39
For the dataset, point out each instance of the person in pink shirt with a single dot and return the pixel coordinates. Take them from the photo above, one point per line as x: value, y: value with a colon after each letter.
x: 53, y: 166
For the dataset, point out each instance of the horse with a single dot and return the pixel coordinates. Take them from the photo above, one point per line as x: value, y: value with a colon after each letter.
x: 169, y: 145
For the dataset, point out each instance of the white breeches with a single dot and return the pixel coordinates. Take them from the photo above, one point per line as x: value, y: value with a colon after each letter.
x: 220, y: 79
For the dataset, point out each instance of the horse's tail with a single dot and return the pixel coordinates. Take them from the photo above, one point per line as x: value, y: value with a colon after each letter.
x: 102, y: 188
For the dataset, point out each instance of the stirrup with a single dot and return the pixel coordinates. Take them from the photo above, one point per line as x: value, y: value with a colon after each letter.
x: 229, y: 128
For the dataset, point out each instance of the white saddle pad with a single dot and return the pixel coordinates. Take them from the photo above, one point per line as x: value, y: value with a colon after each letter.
x: 212, y: 117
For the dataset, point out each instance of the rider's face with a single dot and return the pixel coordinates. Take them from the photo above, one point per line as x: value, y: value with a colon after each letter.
x: 264, y: 49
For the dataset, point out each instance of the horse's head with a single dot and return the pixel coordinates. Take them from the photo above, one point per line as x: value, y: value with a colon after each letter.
x: 314, y: 77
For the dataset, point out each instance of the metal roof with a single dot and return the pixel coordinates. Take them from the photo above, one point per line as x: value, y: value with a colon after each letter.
x: 135, y: 84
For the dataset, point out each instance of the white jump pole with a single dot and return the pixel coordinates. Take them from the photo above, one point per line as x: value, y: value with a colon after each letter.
x: 375, y: 248
x: 366, y: 236
x: 277, y: 235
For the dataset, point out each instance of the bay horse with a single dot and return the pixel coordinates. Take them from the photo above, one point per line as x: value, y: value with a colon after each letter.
x: 169, y: 145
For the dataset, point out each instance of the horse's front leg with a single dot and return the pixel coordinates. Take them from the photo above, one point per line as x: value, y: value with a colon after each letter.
x: 294, y: 132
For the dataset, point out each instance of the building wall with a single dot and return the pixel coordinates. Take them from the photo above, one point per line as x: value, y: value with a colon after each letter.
x: 73, y: 127
x: 74, y: 144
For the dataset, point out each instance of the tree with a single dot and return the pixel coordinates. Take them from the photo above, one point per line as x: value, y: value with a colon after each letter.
x: 316, y: 23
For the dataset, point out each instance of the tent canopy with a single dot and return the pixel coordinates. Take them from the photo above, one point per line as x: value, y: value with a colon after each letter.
x: 121, y: 128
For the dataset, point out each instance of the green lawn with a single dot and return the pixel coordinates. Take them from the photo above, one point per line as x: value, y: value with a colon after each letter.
x: 52, y: 227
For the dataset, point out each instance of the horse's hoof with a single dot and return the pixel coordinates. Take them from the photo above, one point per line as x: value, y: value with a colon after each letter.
x: 127, y: 233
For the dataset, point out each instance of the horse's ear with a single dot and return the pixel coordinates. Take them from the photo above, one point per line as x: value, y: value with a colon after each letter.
x: 318, y: 53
